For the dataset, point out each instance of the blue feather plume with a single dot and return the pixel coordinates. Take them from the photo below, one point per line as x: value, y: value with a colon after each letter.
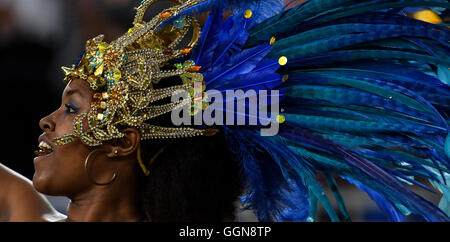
x: 366, y: 99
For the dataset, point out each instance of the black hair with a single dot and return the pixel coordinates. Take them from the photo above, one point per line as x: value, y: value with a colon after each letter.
x: 194, y: 179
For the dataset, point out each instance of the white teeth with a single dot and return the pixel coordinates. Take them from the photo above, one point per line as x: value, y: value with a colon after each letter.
x: 44, y: 145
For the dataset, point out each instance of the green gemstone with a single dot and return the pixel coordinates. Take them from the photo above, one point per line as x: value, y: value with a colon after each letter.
x: 178, y: 23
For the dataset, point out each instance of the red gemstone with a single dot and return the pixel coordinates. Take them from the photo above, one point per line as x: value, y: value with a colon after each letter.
x: 168, y: 52
x: 166, y: 14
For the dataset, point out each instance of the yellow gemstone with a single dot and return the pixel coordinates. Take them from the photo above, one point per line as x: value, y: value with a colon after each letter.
x: 282, y: 61
x: 130, y: 30
x: 67, y: 70
x: 102, y: 47
x: 248, y: 13
x: 100, y: 116
x: 99, y: 70
x: 117, y: 75
x: 427, y: 16
x: 102, y: 105
x: 285, y: 77
x: 281, y: 119
x: 272, y: 40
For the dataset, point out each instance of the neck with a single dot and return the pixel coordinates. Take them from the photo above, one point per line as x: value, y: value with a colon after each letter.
x: 116, y: 202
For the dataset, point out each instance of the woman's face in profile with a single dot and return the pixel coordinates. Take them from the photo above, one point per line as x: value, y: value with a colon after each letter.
x: 60, y: 171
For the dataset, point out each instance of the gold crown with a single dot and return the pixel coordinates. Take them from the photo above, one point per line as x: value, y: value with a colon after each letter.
x: 122, y: 74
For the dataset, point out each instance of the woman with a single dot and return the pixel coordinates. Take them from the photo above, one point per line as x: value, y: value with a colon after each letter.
x: 131, y: 196
x: 364, y: 97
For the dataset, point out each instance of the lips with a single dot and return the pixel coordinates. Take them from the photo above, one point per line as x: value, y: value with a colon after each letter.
x: 44, y: 148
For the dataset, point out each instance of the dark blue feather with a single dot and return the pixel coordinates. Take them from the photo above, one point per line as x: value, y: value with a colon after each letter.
x: 384, y: 205
x: 272, y: 194
x: 240, y: 63
x: 208, y: 40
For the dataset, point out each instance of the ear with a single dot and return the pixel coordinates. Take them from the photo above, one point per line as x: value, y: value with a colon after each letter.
x: 126, y: 145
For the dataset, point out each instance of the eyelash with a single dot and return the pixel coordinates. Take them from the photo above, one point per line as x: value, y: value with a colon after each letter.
x: 69, y: 109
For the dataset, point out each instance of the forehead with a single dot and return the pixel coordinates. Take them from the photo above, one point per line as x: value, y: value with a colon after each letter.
x: 80, y: 85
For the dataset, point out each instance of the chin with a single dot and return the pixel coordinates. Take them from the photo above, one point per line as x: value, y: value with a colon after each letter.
x: 40, y: 183
x: 44, y: 184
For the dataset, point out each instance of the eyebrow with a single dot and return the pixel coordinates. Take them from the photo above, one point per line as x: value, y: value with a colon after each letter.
x: 73, y: 91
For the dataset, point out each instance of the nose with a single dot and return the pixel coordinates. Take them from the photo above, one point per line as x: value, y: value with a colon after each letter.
x: 47, y: 123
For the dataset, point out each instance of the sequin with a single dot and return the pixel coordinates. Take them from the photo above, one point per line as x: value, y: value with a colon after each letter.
x: 248, y: 13
x: 272, y: 40
x: 282, y: 61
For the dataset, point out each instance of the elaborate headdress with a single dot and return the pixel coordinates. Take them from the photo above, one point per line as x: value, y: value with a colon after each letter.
x: 367, y: 97
x: 122, y: 74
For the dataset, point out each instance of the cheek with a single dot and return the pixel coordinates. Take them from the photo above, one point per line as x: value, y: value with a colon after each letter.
x: 64, y: 123
x: 69, y: 158
x: 63, y: 172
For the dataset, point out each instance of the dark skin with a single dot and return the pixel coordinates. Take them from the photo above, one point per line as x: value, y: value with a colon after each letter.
x: 62, y: 172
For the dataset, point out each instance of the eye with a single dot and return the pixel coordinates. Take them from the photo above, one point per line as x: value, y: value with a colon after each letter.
x: 70, y: 109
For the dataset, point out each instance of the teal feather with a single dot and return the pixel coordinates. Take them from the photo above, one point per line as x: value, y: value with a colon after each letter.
x: 347, y: 96
x: 384, y: 124
x: 409, y: 157
x: 326, y: 161
x: 447, y: 145
x: 325, y: 11
x: 378, y: 87
x: 344, y: 29
x: 319, y: 193
x: 340, y: 201
x: 354, y: 55
x: 429, y: 143
x: 444, y: 203
x: 404, y: 167
x: 313, y: 207
x: 370, y: 88
x: 444, y: 74
x: 289, y: 19
x: 362, y: 8
x: 340, y: 41
x: 417, y: 81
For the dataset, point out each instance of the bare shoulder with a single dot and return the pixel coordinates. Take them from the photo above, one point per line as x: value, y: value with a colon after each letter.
x: 19, y: 201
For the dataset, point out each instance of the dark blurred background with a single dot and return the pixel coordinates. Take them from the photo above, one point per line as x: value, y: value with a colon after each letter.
x: 37, y: 37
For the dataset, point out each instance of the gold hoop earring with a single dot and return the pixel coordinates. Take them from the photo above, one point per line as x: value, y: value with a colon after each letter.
x: 86, y: 169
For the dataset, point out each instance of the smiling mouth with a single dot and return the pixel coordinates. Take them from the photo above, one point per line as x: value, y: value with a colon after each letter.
x: 44, y: 149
